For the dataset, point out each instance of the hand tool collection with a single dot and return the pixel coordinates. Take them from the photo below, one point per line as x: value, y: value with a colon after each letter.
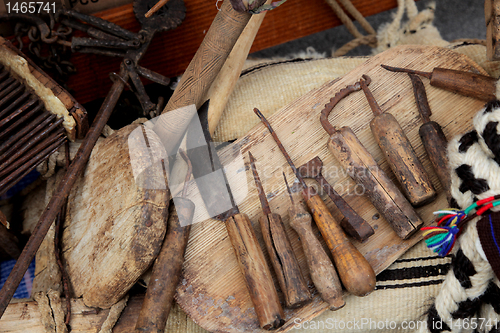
x: 363, y: 168
x: 352, y: 223
x: 403, y: 161
x: 349, y: 268
x: 129, y: 68
x: 432, y: 135
x: 323, y: 274
x: 280, y: 250
x: 355, y: 272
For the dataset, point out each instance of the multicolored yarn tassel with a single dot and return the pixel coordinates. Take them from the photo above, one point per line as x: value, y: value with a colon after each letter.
x: 442, y: 237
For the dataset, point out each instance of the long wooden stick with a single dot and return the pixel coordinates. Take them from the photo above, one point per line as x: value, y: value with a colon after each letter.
x: 224, y: 83
x: 210, y: 57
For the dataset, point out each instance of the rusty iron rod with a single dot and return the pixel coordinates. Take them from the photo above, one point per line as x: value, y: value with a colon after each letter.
x: 27, y: 132
x: 14, y: 104
x: 61, y: 193
x: 262, y: 195
x: 24, y: 155
x: 10, y: 181
x: 14, y: 90
x: 34, y: 156
x: 25, y: 118
x: 278, y: 142
x: 407, y: 70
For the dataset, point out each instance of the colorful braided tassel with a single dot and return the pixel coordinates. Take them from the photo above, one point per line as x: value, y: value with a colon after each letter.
x: 442, y: 237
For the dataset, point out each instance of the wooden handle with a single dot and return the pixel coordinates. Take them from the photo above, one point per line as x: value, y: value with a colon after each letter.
x: 435, y: 144
x: 208, y: 60
x: 382, y: 192
x: 403, y: 161
x: 465, y: 83
x: 352, y: 223
x: 255, y: 271
x: 166, y: 270
x: 286, y: 267
x: 355, y: 272
x: 321, y: 269
x: 224, y: 83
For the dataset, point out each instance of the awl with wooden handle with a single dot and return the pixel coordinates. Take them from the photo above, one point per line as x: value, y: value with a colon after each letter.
x: 285, y: 264
x: 321, y: 269
x: 463, y: 83
x: 168, y: 265
x: 432, y: 136
x: 355, y: 272
x: 362, y: 167
x: 399, y: 153
x: 352, y: 223
x: 216, y: 194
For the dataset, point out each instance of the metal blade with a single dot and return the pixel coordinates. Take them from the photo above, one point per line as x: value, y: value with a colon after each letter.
x: 262, y: 195
x: 207, y: 168
x: 421, y: 97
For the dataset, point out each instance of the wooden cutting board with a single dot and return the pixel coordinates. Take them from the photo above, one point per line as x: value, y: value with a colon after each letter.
x: 212, y: 291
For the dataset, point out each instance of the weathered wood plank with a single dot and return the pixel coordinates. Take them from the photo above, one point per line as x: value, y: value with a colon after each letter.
x: 205, y: 293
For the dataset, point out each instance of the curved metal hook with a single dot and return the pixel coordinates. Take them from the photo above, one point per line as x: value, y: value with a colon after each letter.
x: 337, y: 98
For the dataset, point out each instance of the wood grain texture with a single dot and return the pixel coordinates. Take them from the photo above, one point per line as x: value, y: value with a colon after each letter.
x: 471, y: 84
x: 374, y: 182
x: 255, y: 271
x: 492, y: 19
x: 435, y: 144
x: 170, y: 52
x: 283, y: 260
x: 209, y: 58
x: 415, y: 183
x: 355, y: 272
x: 114, y: 227
x: 323, y: 274
x: 204, y: 292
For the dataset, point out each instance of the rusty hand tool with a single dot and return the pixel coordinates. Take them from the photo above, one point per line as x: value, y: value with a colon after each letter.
x: 354, y: 270
x: 132, y: 57
x: 216, y: 193
x: 321, y: 269
x: 112, y: 40
x: 432, y: 135
x: 168, y: 265
x: 464, y: 83
x: 286, y: 267
x: 362, y: 167
x: 399, y: 153
x: 352, y: 223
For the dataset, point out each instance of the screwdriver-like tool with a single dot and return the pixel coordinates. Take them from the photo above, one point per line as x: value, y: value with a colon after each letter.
x: 285, y: 264
x: 321, y: 269
x: 464, y: 83
x: 432, y: 135
x: 362, y: 167
x: 168, y: 265
x: 399, y: 153
x: 354, y: 270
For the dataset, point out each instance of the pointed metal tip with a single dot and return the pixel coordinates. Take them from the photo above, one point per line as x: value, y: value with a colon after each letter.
x: 288, y: 188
